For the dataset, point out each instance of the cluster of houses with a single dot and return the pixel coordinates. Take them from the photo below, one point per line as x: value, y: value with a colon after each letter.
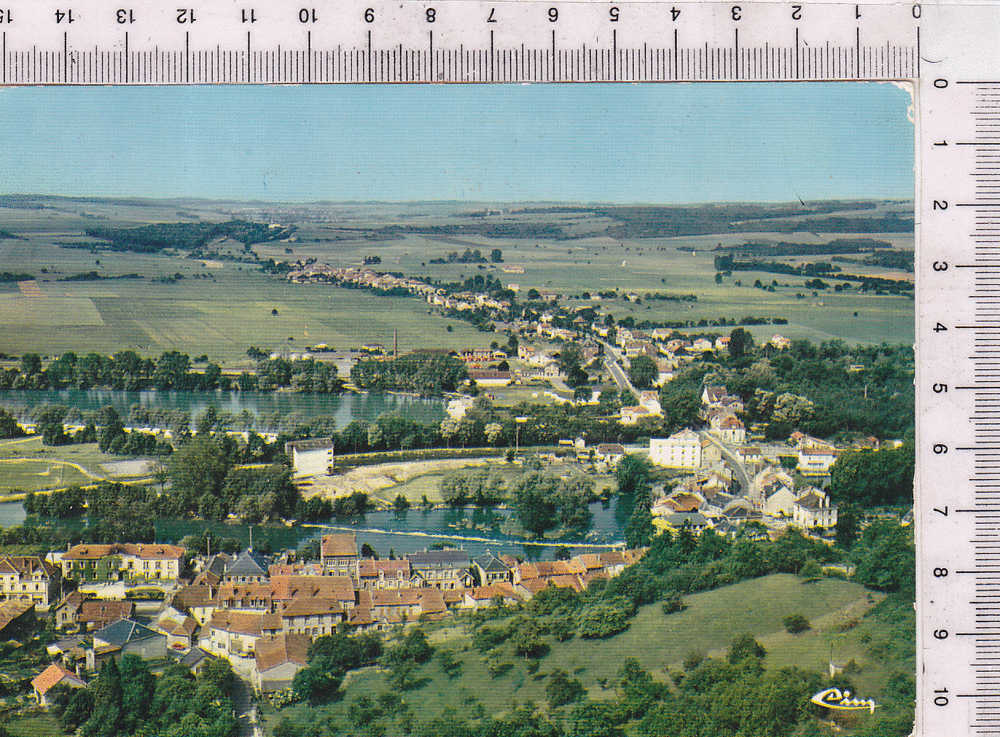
x: 259, y: 614
x: 321, y: 273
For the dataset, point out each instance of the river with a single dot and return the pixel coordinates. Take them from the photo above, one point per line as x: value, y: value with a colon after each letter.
x: 342, y: 407
x: 475, y: 530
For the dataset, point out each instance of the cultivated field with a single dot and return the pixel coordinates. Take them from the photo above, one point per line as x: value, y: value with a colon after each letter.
x: 220, y: 307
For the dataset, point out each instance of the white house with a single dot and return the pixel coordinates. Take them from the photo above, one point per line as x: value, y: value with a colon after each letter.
x: 310, y: 457
x: 816, y: 460
x: 680, y: 450
x: 458, y: 407
x: 813, y: 509
x: 729, y: 428
x: 779, y: 502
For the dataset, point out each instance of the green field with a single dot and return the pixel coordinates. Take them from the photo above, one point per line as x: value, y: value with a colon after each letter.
x: 660, y: 642
x: 220, y: 307
x: 34, y: 725
x: 27, y: 465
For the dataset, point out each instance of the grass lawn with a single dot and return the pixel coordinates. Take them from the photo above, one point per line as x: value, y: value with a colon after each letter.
x: 35, y: 725
x: 710, y: 622
x: 28, y: 464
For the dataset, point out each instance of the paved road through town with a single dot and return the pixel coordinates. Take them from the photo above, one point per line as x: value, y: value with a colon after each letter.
x: 734, y: 462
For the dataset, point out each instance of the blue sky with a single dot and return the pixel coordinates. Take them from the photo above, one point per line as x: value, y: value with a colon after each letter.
x: 611, y: 143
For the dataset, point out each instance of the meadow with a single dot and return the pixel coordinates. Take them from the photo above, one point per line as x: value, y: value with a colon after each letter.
x: 217, y: 306
x: 659, y: 641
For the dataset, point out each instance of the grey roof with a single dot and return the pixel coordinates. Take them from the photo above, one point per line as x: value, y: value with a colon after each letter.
x: 437, y: 559
x: 218, y: 564
x: 247, y: 563
x: 194, y: 656
x: 124, y: 631
x: 687, y: 518
x: 309, y: 444
x: 491, y: 564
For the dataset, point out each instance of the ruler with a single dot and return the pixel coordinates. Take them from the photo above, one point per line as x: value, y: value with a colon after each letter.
x: 322, y: 41
x: 958, y: 376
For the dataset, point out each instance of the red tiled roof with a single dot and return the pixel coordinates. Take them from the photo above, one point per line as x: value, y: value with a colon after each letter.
x: 341, y: 544
x: 51, y: 676
x: 286, y: 588
x: 270, y: 652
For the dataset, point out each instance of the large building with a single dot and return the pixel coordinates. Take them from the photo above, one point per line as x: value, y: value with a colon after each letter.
x: 128, y: 562
x: 338, y: 553
x: 310, y: 457
x: 29, y: 578
x: 680, y: 450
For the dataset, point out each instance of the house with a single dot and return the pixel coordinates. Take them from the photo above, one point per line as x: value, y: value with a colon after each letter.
x: 237, y: 633
x: 729, y: 428
x: 632, y: 415
x: 246, y: 567
x: 694, y: 522
x: 67, y: 610
x: 779, y: 501
x: 610, y: 453
x: 651, y: 401
x: 484, y: 596
x: 383, y: 574
x: 701, y: 345
x: 680, y: 450
x: 338, y: 553
x: 178, y: 627
x: 97, y: 613
x: 285, y: 589
x: 443, y: 569
x: 276, y: 661
x: 722, y: 343
x: 310, y: 457
x: 780, y: 342
x: 17, y: 618
x: 312, y: 617
x: 126, y: 636
x: 128, y: 562
x: 197, y: 600
x: 750, y: 454
x: 196, y: 659
x: 490, y: 569
x: 490, y: 377
x: 711, y: 454
x: 52, y: 677
x: 813, y: 509
x: 28, y: 577
x: 816, y: 460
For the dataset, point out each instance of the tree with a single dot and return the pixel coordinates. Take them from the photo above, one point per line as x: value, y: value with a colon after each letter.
x: 137, y: 686
x: 885, y: 557
x: 8, y: 426
x: 642, y: 371
x: 197, y: 468
x: 745, y: 646
x: 49, y: 420
x: 570, y: 358
x: 315, y: 683
x: 561, y: 689
x: 632, y: 475
x: 795, y: 623
x: 640, y: 530
x: 496, y: 255
x: 740, y: 343
x: 874, y: 478
x: 535, y: 502
x: 106, y: 717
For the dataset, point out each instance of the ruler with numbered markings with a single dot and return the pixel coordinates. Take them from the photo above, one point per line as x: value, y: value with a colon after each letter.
x: 101, y: 42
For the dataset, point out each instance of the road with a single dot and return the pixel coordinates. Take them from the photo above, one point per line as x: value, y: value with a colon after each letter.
x: 734, y: 461
x: 246, y: 710
x: 611, y: 362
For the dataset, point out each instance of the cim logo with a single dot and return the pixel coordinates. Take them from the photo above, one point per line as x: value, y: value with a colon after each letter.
x: 834, y: 698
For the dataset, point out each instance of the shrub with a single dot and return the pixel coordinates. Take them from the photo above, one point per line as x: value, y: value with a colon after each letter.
x: 601, y: 620
x: 673, y: 603
x: 796, y: 623
x: 561, y: 689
